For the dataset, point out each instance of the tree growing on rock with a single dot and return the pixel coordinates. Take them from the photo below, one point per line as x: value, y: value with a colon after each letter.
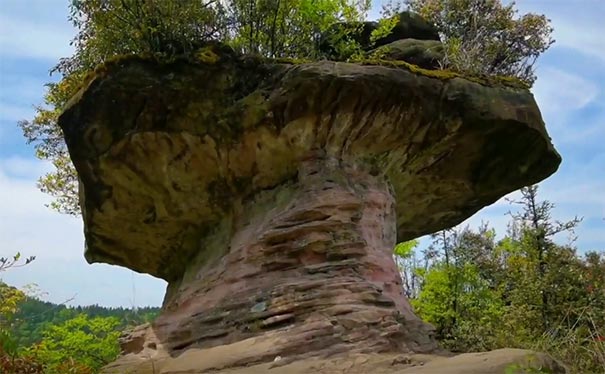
x: 485, y: 36
x: 167, y: 29
x: 493, y: 43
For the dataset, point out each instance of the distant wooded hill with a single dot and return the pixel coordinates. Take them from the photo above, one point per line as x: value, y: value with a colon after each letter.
x: 35, y: 315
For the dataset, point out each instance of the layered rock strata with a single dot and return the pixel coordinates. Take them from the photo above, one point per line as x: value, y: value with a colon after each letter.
x: 269, y: 196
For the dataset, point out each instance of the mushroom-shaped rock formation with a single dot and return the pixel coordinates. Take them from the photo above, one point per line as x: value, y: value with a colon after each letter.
x: 270, y: 195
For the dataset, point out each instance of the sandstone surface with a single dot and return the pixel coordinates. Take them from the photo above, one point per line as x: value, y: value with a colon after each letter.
x: 239, y: 358
x: 270, y: 195
x: 408, y: 26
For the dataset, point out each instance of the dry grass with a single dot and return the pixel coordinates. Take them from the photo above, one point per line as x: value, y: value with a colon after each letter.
x: 578, y: 341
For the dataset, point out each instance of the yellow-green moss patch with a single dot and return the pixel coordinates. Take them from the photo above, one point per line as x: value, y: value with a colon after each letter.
x: 207, y: 55
x: 290, y: 60
x: 445, y: 74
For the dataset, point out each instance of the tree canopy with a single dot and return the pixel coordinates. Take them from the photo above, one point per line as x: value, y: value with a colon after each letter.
x: 487, y: 37
x: 524, y: 290
x: 165, y: 29
x: 481, y: 37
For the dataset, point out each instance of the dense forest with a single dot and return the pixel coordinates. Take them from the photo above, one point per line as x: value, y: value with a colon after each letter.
x: 35, y: 316
x: 38, y: 336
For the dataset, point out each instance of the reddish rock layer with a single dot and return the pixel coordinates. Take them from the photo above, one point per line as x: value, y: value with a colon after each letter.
x: 270, y: 196
x: 310, y: 260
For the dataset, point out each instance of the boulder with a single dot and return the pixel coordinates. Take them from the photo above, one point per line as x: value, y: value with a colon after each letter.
x: 423, y: 53
x: 270, y: 196
x: 409, y: 26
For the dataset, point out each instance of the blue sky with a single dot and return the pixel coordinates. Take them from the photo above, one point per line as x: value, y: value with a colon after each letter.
x: 34, y: 34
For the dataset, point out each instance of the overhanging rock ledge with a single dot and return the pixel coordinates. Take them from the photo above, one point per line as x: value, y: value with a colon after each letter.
x: 270, y: 195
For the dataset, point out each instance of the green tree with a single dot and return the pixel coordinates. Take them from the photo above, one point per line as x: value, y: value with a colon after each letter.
x: 34, y: 316
x: 534, y: 229
x: 11, y: 359
x: 406, y: 260
x: 10, y: 298
x: 524, y: 291
x: 486, y: 36
x: 457, y: 293
x: 87, y: 342
x: 165, y: 30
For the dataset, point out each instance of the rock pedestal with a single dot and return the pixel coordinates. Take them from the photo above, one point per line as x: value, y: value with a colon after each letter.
x: 270, y: 196
x: 312, y: 259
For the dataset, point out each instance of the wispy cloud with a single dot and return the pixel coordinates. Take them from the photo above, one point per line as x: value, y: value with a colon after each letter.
x: 23, y: 38
x: 58, y: 243
x: 565, y: 98
x: 585, y: 33
x: 578, y: 25
x: 560, y: 91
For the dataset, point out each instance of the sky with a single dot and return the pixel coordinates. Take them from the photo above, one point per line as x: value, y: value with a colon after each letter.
x: 34, y: 34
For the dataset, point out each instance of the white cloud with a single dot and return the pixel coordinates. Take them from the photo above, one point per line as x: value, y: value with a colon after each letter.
x: 57, y: 241
x: 83, y: 284
x: 559, y: 91
x: 578, y: 24
x: 562, y: 96
x: 585, y: 36
x: 27, y: 225
x: 25, y: 38
x: 571, y: 200
x: 23, y: 168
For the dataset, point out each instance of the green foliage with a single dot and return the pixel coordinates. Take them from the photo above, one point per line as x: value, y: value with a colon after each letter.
x: 43, y: 131
x: 405, y: 249
x: 522, y: 291
x: 61, y: 339
x: 525, y: 369
x: 38, y: 337
x: 11, y: 360
x: 166, y: 29
x: 407, y: 262
x: 91, y: 342
x: 486, y: 37
x: 288, y: 29
x: 34, y: 316
x: 10, y: 299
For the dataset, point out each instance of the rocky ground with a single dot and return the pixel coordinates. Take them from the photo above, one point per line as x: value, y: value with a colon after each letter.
x: 232, y: 359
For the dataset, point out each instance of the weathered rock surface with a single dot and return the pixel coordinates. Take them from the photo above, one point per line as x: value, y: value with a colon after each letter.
x: 409, y: 26
x: 228, y: 359
x: 424, y: 53
x: 270, y: 196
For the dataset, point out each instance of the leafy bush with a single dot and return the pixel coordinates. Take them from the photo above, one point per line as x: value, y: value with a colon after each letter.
x: 86, y: 342
x: 165, y: 29
x: 485, y: 37
x: 523, y: 291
